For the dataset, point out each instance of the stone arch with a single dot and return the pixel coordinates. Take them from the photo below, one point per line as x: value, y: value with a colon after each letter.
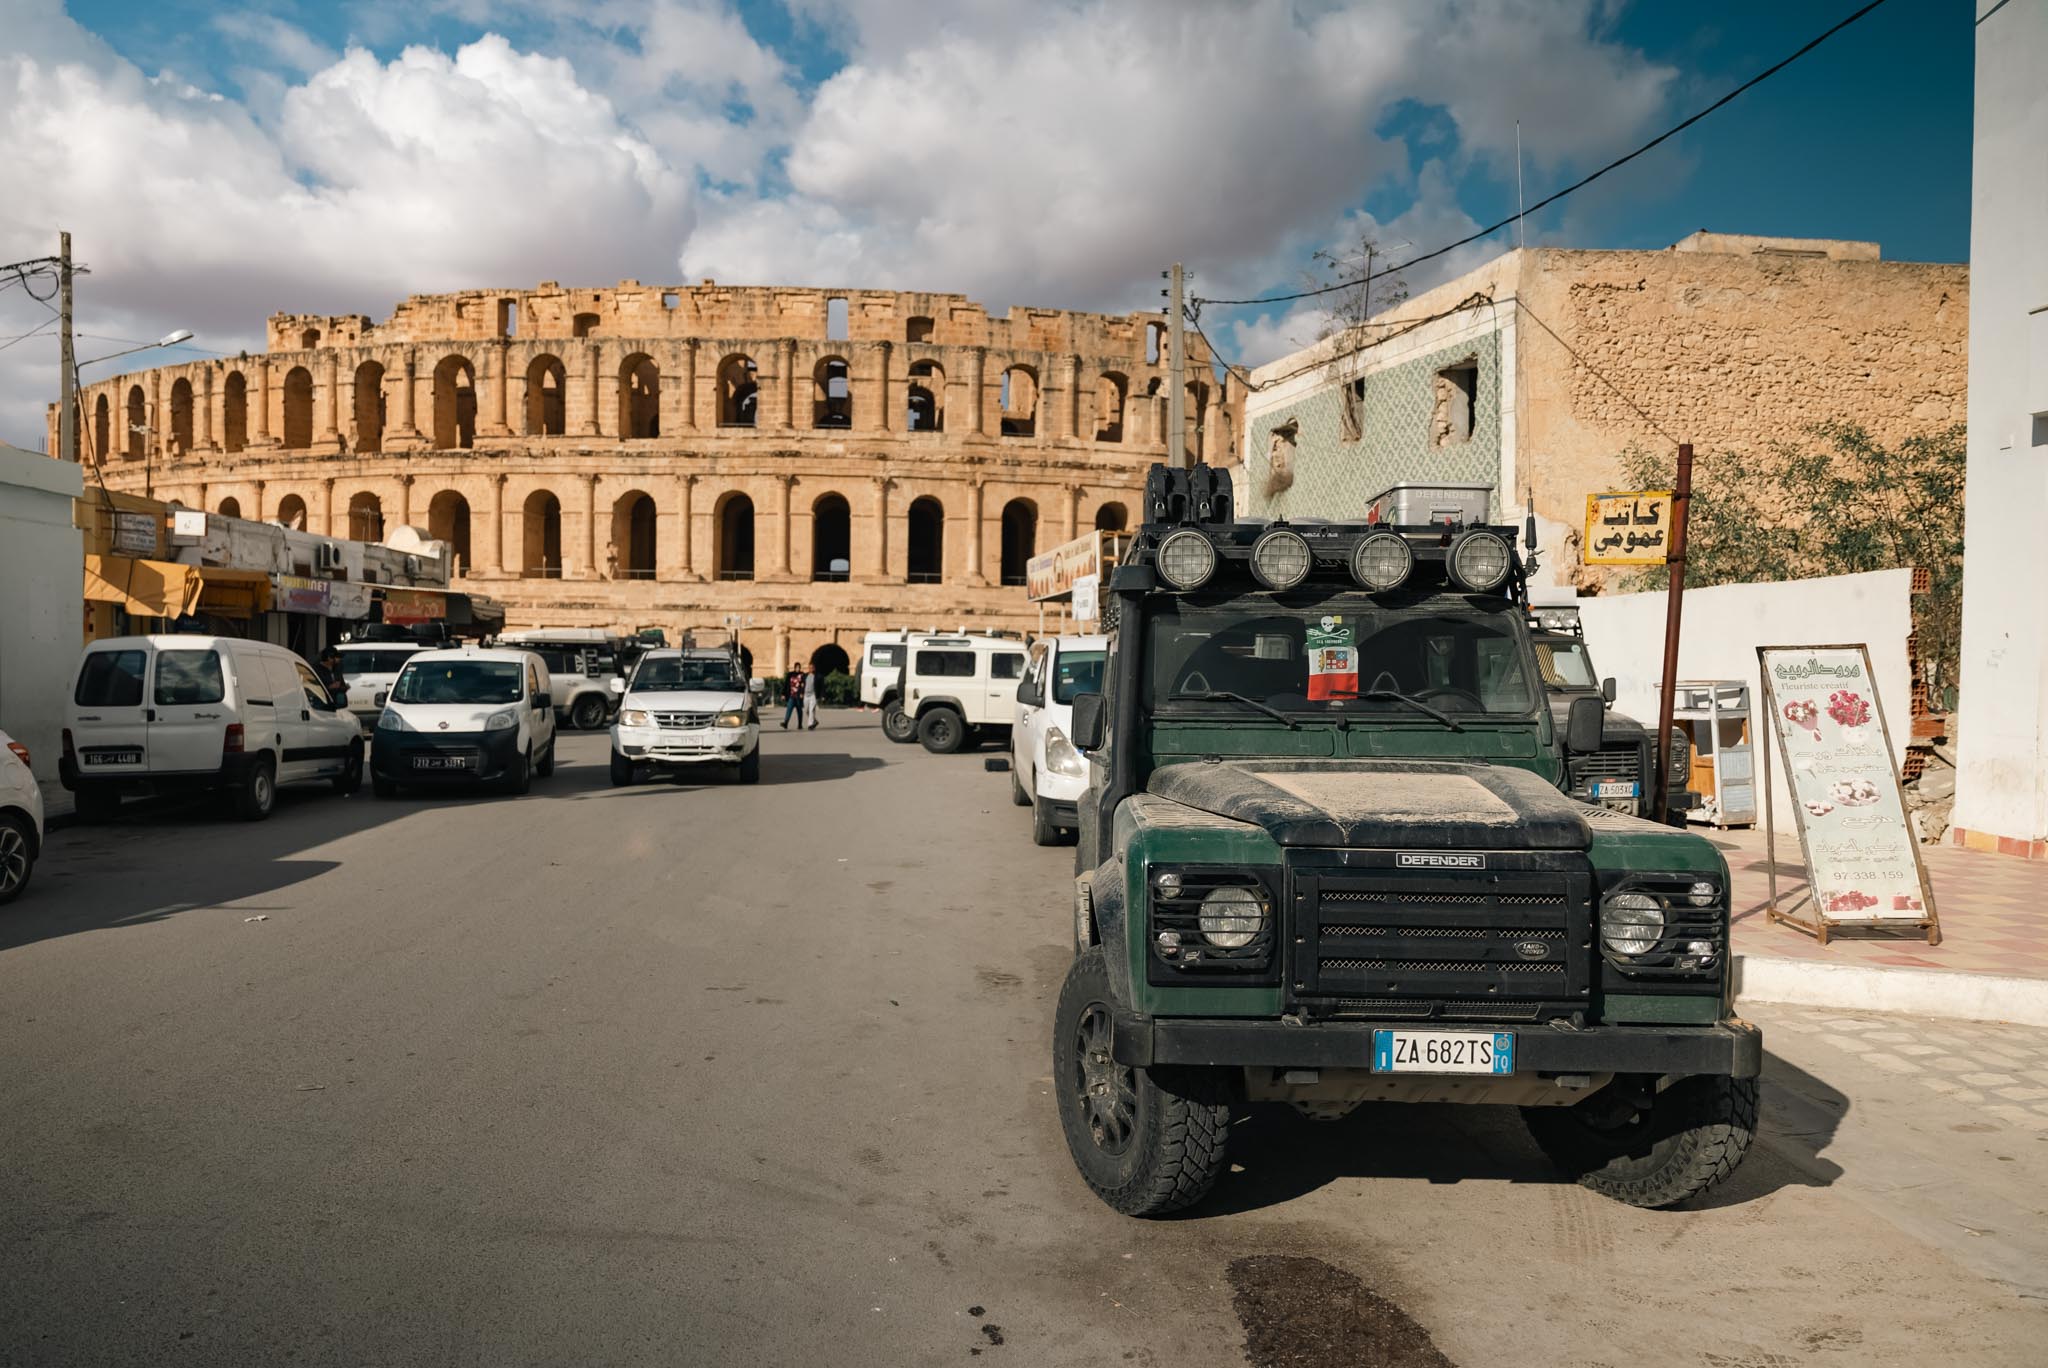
x: 739, y: 392
x: 369, y: 406
x: 298, y: 409
x: 547, y: 390
x: 1112, y: 517
x: 1110, y: 392
x: 136, y: 429
x: 448, y: 521
x: 231, y: 507
x: 454, y: 404
x: 1019, y: 401
x: 291, y: 511
x: 181, y: 414
x: 234, y: 412
x: 830, y: 659
x: 1020, y: 538
x: 633, y: 535
x: 540, y: 542
x: 925, y: 401
x: 100, y: 428
x: 639, y: 397
x: 365, y: 517
x: 831, y: 538
x: 732, y: 549
x: 832, y: 393
x: 926, y: 540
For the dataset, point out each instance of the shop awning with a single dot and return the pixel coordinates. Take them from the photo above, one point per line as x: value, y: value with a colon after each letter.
x: 233, y: 593
x: 166, y: 589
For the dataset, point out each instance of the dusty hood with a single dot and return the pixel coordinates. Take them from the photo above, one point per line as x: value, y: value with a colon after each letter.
x: 687, y: 700
x: 1406, y: 804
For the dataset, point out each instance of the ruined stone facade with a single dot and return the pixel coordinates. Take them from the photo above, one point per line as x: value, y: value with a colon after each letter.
x: 813, y: 463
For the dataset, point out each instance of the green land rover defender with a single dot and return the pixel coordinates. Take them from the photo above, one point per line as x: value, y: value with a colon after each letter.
x: 1325, y: 859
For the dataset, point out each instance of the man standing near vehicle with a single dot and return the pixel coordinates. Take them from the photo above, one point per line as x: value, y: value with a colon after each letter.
x: 329, y: 670
x: 793, y: 695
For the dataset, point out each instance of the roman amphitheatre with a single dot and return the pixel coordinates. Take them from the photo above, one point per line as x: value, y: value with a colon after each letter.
x: 811, y: 464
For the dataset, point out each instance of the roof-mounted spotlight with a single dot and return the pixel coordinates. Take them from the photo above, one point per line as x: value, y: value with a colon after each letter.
x: 1281, y: 559
x: 1382, y: 561
x: 1479, y: 561
x: 1186, y: 559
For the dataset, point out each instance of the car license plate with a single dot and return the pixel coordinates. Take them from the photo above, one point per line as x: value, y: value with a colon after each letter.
x: 440, y: 762
x: 1455, y: 1052
x: 1615, y: 788
x: 131, y: 756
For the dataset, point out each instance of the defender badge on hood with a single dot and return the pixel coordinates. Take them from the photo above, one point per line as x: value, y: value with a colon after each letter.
x: 1408, y: 859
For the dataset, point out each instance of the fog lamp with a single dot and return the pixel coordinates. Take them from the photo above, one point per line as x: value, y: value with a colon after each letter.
x: 1479, y: 561
x: 1382, y: 561
x: 1281, y: 559
x: 1186, y: 559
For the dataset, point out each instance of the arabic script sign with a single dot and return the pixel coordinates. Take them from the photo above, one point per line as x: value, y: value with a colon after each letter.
x: 1861, y: 859
x: 1628, y: 529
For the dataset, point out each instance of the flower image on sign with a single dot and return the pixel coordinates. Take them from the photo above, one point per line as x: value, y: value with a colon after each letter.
x: 1861, y: 859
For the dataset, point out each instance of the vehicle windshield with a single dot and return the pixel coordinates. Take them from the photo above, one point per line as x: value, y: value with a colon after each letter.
x: 1564, y: 665
x: 1076, y: 672
x: 459, y: 681
x: 685, y: 672
x: 355, y: 663
x: 1459, y: 655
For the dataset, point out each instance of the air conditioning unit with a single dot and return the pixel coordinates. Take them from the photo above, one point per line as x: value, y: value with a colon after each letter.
x: 326, y: 556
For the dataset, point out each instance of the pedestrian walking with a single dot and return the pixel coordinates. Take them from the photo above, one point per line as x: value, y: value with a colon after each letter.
x: 811, y: 699
x: 793, y: 695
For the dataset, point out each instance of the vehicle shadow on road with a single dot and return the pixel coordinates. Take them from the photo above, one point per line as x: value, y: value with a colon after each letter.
x: 1277, y: 1154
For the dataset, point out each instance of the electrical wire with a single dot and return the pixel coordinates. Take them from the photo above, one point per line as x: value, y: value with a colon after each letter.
x: 1580, y: 184
x: 37, y: 331
x: 1401, y: 327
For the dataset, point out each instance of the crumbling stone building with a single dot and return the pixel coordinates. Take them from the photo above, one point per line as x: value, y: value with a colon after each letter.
x: 813, y: 463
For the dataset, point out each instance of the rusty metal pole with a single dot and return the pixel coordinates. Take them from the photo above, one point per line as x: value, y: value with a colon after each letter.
x: 1674, y: 609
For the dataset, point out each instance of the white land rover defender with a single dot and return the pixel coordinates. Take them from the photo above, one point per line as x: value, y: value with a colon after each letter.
x: 957, y: 687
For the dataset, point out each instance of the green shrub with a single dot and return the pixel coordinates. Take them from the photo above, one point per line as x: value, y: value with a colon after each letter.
x: 838, y: 690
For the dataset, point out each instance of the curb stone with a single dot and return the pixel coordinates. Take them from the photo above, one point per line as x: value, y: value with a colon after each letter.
x: 1867, y: 988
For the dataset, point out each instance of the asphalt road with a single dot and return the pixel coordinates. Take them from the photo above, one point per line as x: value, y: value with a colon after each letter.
x: 711, y: 1074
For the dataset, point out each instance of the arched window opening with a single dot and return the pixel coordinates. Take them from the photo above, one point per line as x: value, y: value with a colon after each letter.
x: 639, y: 397
x: 448, y: 521
x: 830, y: 659
x: 1109, y: 406
x: 917, y: 329
x: 927, y: 541
x: 298, y: 408
x: 234, y: 413
x: 583, y: 325
x: 1020, y: 402
x: 1152, y: 334
x: 291, y: 511
x: 100, y: 450
x: 925, y: 402
x: 508, y: 318
x: 137, y: 427
x: 633, y: 536
x: 365, y: 517
x: 739, y: 392
x: 832, y: 397
x: 734, y: 553
x: 831, y: 539
x: 369, y: 407
x: 309, y: 339
x: 540, y: 543
x: 181, y: 415
x: 454, y: 404
x: 1020, y: 538
x: 231, y: 507
x: 547, y: 387
x: 1111, y: 517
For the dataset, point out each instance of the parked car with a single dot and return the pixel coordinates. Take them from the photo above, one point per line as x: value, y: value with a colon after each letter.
x: 685, y: 709
x: 21, y: 820
x: 370, y: 668
x: 881, y: 667
x: 168, y: 713
x: 470, y: 715
x: 1047, y: 774
x: 583, y: 669
x: 958, y: 688
x: 1619, y: 775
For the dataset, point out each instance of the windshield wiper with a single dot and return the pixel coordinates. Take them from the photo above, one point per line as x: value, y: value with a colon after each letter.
x: 1414, y: 703
x: 1226, y: 696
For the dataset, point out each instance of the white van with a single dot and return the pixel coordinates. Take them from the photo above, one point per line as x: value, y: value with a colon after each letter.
x: 1047, y: 773
x: 151, y: 714
x: 370, y: 668
x: 960, y: 687
x: 465, y: 715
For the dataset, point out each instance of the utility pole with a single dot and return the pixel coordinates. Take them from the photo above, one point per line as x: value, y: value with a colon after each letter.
x: 67, y: 385
x: 1674, y: 608
x: 1176, y: 367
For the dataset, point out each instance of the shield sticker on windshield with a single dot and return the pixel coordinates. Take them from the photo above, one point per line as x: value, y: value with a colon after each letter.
x: 1332, y: 660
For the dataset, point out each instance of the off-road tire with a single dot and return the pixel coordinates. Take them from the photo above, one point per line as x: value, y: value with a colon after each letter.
x: 17, y: 857
x: 546, y: 765
x: 750, y: 767
x: 96, y: 803
x: 382, y: 787
x: 1692, y: 1138
x: 1017, y: 793
x: 942, y: 731
x: 587, y: 713
x: 1178, y: 1138
x: 623, y: 773
x: 256, y: 795
x: 351, y: 777
x: 519, y: 774
x: 898, y: 725
x: 1043, y: 831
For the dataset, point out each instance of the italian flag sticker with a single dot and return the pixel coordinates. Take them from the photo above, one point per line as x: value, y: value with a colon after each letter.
x: 1332, y: 660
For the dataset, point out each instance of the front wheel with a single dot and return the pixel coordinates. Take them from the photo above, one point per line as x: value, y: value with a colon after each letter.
x: 942, y: 731
x: 1147, y: 1141
x: 750, y: 767
x: 587, y: 713
x: 1687, y: 1139
x: 351, y: 777
x: 1043, y: 831
x: 623, y: 773
x: 1017, y: 794
x: 546, y: 764
x: 17, y: 856
x: 519, y: 773
x: 898, y: 725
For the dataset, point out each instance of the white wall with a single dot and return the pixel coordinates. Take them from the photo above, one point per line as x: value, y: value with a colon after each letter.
x: 1722, y: 627
x: 2002, y: 740
x: 42, y: 584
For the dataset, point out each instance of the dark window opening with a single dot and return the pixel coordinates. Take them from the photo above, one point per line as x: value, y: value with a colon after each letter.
x: 234, y: 415
x: 547, y: 384
x: 734, y: 554
x: 583, y: 325
x: 1019, y: 403
x: 639, y: 397
x: 927, y: 541
x: 454, y: 404
x: 831, y: 539
x: 366, y: 518
x: 369, y: 406
x: 448, y: 521
x: 633, y: 536
x: 1351, y: 410
x: 1457, y: 395
x: 917, y: 329
x: 832, y: 400
x: 1111, y: 517
x: 298, y: 408
x: 181, y: 414
x: 541, y: 543
x: 739, y: 392
x: 1020, y: 539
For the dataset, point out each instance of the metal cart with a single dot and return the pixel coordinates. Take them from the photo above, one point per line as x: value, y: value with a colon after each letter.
x: 1715, y: 714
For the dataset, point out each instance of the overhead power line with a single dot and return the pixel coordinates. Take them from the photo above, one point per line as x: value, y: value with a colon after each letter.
x: 1581, y: 184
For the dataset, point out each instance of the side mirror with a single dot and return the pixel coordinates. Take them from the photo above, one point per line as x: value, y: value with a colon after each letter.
x: 1091, y: 721
x: 1607, y: 688
x: 997, y: 764
x: 1584, y: 725
x: 383, y: 697
x: 618, y: 685
x: 542, y: 702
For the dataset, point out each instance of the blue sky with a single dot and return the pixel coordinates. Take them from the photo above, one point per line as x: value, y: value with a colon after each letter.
x: 218, y: 163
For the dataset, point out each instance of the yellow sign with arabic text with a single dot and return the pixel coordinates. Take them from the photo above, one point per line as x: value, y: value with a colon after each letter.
x: 1628, y: 529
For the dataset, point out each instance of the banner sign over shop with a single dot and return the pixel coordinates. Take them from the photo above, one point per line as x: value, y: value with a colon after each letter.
x: 135, y: 534
x: 299, y: 594
x: 1627, y: 529
x: 1052, y: 574
x: 1863, y: 863
x: 406, y: 606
